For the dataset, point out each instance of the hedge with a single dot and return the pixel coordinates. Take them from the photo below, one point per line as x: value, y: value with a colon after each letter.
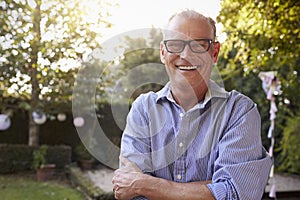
x: 19, y: 157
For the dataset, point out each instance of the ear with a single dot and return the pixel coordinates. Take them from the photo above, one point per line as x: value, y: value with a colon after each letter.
x: 216, y: 50
x: 162, y: 52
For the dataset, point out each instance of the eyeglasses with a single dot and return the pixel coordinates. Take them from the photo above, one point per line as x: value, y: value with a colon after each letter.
x: 196, y: 45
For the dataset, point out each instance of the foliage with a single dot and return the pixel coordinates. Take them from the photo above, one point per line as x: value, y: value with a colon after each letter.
x: 290, y: 156
x: 90, y: 87
x: 17, y: 157
x: 39, y: 157
x: 139, y: 65
x: 82, y: 153
x: 249, y: 85
x: 263, y: 36
x: 23, y: 186
x: 42, y: 45
x: 49, y: 39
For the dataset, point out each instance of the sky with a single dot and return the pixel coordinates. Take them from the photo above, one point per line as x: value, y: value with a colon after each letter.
x: 138, y: 14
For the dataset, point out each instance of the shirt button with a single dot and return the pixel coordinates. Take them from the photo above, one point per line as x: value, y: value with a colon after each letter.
x: 180, y: 144
x: 179, y: 177
x: 181, y: 114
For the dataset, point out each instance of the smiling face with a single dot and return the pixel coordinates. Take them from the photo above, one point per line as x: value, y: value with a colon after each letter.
x: 189, y: 69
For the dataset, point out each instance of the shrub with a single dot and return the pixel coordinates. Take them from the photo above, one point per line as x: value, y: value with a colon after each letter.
x: 82, y: 153
x: 289, y: 146
x: 39, y: 157
x: 19, y: 157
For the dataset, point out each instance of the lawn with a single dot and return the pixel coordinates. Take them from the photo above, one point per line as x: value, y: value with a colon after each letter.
x: 24, y: 186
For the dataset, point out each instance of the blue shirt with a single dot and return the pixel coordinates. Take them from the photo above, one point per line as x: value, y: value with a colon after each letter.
x: 218, y: 139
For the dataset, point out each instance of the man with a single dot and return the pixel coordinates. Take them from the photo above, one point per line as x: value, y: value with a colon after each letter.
x: 192, y: 139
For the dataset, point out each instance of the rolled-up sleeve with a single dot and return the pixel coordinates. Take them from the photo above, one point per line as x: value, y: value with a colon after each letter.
x: 135, y: 144
x: 242, y: 168
x: 135, y: 140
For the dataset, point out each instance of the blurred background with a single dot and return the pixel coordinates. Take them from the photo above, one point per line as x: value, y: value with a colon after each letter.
x: 44, y: 44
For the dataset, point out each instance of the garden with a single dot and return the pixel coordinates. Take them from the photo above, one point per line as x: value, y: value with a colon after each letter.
x: 47, y: 172
x: 63, y: 109
x: 25, y: 186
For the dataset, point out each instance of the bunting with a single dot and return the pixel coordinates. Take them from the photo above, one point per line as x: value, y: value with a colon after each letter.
x: 271, y: 86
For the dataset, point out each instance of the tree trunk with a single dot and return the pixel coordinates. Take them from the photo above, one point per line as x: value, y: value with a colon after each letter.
x: 34, y: 132
x: 33, y: 136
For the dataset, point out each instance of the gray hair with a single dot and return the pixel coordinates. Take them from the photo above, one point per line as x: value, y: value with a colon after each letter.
x: 192, y: 14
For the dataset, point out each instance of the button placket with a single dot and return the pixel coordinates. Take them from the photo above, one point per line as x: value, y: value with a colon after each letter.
x: 179, y: 169
x: 179, y: 165
x: 181, y: 115
x: 179, y: 177
x: 180, y: 144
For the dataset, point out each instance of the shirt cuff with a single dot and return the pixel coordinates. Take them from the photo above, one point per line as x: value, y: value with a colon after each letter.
x: 218, y: 190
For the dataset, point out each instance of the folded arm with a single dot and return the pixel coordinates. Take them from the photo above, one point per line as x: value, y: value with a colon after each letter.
x: 130, y: 182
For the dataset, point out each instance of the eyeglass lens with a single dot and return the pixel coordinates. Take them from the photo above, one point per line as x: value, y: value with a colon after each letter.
x: 177, y: 46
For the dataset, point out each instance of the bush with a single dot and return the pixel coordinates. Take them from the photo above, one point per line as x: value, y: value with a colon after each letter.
x: 19, y: 157
x: 59, y: 155
x: 82, y: 153
x: 15, y: 158
x: 289, y: 146
x: 39, y: 157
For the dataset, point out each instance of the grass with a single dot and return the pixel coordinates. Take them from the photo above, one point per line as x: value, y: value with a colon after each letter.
x: 24, y: 186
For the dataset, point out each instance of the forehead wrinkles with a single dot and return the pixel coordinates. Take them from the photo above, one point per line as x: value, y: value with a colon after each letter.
x: 172, y: 34
x: 183, y: 27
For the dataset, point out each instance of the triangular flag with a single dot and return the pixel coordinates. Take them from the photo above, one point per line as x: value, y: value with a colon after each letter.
x: 272, y: 192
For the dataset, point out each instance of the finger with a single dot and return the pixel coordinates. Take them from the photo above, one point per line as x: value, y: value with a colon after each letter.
x: 116, y: 188
x: 117, y: 178
x: 118, y: 172
x: 114, y: 179
x: 116, y: 195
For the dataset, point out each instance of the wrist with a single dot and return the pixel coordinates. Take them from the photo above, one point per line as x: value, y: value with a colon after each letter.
x: 142, y: 184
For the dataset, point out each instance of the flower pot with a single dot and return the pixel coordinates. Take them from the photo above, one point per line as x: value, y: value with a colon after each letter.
x: 45, y: 172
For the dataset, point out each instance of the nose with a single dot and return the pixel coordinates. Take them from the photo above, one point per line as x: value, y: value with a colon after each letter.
x: 186, y: 52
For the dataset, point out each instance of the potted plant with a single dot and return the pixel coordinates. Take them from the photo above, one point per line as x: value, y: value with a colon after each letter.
x: 84, y: 159
x: 44, y: 170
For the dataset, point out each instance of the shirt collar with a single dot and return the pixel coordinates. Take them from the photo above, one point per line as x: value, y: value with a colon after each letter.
x: 214, y: 91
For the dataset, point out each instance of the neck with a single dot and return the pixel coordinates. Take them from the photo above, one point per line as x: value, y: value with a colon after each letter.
x: 187, y: 98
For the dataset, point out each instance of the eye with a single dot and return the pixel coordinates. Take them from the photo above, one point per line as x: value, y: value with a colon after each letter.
x: 175, y: 45
x: 198, y: 45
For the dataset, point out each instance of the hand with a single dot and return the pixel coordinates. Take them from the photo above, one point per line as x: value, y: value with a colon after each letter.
x: 129, y: 166
x: 125, y: 180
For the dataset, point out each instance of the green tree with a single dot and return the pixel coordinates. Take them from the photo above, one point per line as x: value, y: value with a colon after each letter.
x: 141, y: 63
x: 43, y: 42
x: 263, y: 36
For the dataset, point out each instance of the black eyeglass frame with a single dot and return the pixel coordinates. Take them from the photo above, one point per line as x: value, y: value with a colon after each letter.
x: 210, y: 41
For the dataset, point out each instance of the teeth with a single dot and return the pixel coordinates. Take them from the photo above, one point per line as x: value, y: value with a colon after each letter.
x: 187, y: 67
